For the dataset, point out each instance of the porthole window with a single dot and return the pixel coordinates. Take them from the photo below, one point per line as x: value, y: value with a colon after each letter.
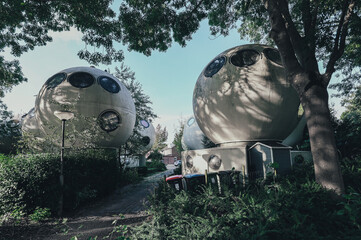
x: 55, y: 80
x: 81, y: 80
x: 31, y: 113
x: 190, y: 121
x: 145, y: 141
x: 244, y: 58
x: 109, y: 84
x: 144, y: 123
x: 109, y: 121
x: 273, y: 55
x: 214, y: 66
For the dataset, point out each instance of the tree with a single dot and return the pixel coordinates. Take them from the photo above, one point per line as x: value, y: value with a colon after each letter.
x: 143, y: 110
x: 161, y: 135
x: 305, y: 32
x: 177, y: 141
x: 25, y: 24
x: 348, y: 131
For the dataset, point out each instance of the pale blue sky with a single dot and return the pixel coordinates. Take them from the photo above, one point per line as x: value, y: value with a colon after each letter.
x: 167, y: 77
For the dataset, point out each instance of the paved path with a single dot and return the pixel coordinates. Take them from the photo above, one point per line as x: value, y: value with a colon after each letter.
x: 97, y: 220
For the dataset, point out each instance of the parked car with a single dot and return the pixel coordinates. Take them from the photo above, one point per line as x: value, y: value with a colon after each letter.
x: 177, y: 163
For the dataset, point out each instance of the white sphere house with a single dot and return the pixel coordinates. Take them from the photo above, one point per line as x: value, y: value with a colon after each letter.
x: 192, y: 135
x: 242, y: 96
x: 101, y: 104
x: 147, y: 132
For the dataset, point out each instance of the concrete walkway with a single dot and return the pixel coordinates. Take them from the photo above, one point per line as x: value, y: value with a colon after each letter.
x: 97, y: 220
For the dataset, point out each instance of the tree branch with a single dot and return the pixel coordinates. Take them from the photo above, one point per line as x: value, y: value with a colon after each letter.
x: 340, y: 39
x: 281, y: 37
x: 303, y: 52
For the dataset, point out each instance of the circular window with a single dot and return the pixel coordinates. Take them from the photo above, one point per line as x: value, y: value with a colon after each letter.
x: 55, y: 80
x: 81, y: 80
x: 109, y: 121
x: 190, y: 121
x: 244, y: 58
x: 214, y: 162
x: 145, y: 141
x: 109, y: 84
x: 214, y: 66
x: 273, y: 55
x: 144, y: 123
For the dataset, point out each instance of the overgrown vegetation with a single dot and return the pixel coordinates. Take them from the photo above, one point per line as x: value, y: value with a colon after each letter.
x: 291, y: 207
x: 29, y: 183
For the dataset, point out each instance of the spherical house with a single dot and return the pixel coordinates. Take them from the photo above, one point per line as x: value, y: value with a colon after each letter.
x: 104, y: 111
x: 192, y: 135
x: 242, y: 95
x: 147, y: 132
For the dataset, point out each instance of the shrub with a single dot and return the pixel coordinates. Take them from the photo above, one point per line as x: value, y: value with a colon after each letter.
x: 32, y: 180
x: 291, y: 207
x: 157, y: 165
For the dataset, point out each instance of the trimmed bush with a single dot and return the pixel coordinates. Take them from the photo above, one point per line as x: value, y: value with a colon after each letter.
x: 32, y: 180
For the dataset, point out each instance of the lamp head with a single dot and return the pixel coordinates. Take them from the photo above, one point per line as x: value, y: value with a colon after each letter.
x: 64, y: 115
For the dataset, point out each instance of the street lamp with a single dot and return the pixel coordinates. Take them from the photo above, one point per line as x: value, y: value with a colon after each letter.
x: 63, y: 116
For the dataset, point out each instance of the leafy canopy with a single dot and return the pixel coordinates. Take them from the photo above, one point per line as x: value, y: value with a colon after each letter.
x: 25, y: 24
x: 153, y: 25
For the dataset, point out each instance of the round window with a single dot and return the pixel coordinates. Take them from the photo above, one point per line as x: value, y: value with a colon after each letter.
x: 214, y: 66
x: 81, y: 80
x: 145, y: 141
x: 144, y: 123
x: 190, y: 121
x: 32, y: 112
x: 109, y: 84
x: 55, y: 80
x: 273, y: 55
x: 109, y: 121
x: 244, y: 58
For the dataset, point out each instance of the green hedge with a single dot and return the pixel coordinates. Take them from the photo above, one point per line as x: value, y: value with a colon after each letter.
x: 32, y: 180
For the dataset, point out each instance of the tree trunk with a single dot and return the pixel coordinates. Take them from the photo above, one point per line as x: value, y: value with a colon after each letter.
x: 323, y: 146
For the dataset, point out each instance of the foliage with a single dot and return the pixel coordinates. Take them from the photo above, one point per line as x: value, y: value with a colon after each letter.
x: 32, y: 180
x: 156, y: 165
x: 161, y: 135
x: 293, y: 207
x: 27, y: 24
x: 129, y: 175
x: 142, y: 103
x: 177, y: 141
x: 156, y: 161
x: 155, y: 155
x: 40, y: 214
x: 348, y: 130
x: 305, y: 32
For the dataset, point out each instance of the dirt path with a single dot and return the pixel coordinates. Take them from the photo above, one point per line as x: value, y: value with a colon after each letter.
x: 96, y: 220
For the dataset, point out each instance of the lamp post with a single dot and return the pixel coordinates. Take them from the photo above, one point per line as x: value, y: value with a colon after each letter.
x: 63, y: 116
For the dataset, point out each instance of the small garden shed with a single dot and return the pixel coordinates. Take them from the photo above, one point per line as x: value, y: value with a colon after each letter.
x: 264, y: 157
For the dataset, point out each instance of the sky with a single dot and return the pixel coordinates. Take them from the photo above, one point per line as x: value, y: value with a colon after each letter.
x: 168, y: 78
